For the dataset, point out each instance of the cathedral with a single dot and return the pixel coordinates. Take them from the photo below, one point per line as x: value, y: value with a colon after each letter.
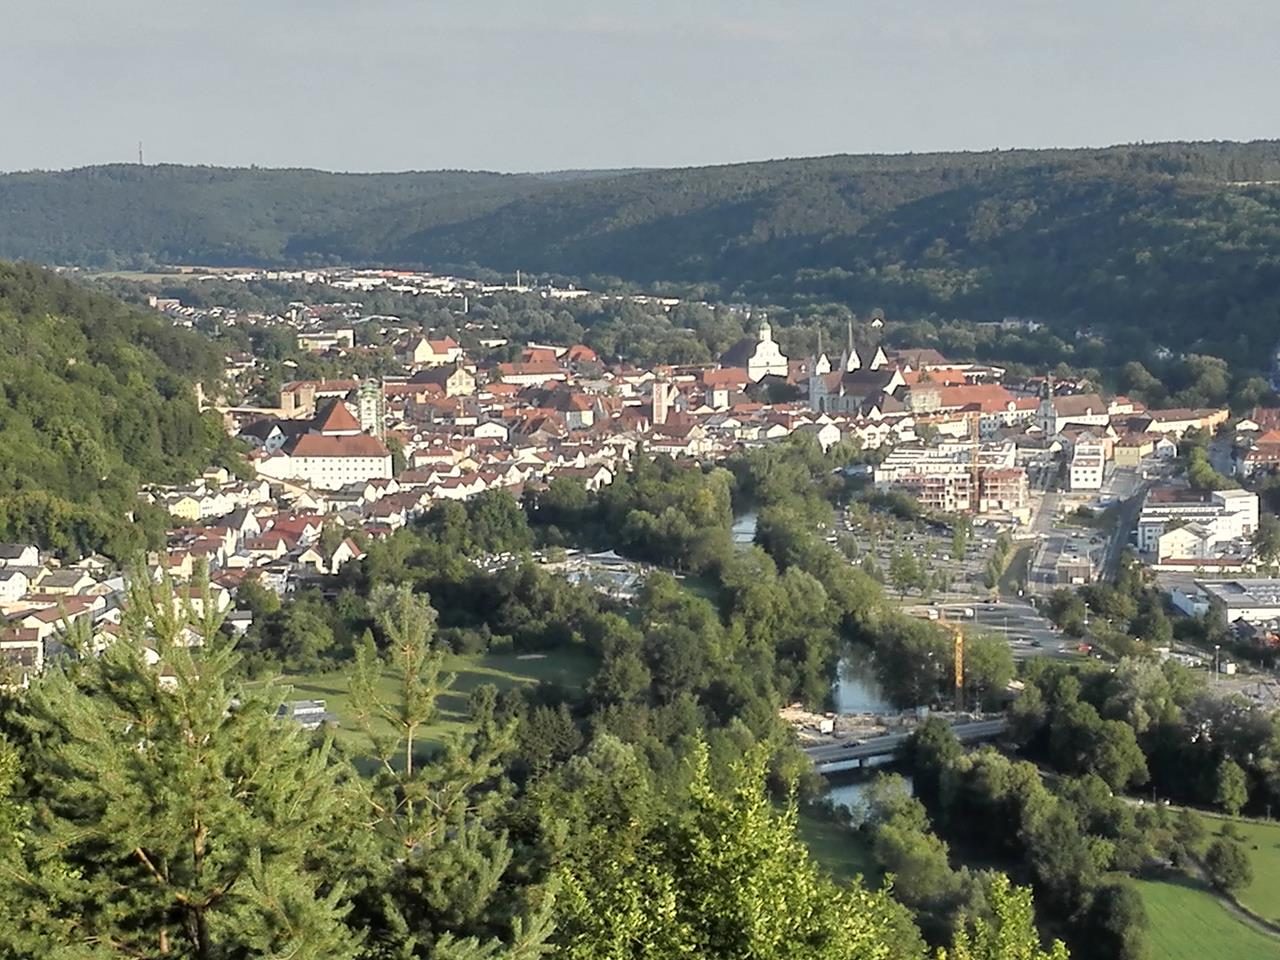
x: 849, y: 387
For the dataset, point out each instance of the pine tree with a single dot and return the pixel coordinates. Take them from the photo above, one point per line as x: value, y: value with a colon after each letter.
x: 173, y: 814
x: 442, y: 864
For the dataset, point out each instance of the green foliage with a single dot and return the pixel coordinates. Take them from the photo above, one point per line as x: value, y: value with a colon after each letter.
x: 1119, y: 922
x: 1011, y: 935
x: 126, y: 214
x: 975, y: 234
x: 961, y: 532
x: 1226, y: 864
x: 97, y: 397
x: 1200, y: 472
x: 729, y: 877
x: 1266, y: 539
x: 177, y: 816
x: 1232, y: 790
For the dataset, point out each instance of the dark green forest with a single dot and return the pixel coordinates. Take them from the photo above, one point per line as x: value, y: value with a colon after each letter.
x: 96, y: 397
x: 1169, y: 244
x: 127, y: 215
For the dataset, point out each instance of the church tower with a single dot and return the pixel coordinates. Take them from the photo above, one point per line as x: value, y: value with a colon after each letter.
x: 818, y: 370
x: 850, y: 361
x: 1046, y: 415
x: 821, y: 363
x: 371, y: 402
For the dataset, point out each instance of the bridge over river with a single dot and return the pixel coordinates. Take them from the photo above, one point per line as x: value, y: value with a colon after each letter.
x: 854, y: 754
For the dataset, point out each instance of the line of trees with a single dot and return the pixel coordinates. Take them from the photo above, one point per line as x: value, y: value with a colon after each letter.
x: 154, y: 803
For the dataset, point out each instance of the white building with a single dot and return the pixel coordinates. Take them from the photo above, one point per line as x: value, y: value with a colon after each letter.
x: 19, y: 555
x: 1253, y: 601
x: 335, y: 453
x: 1226, y: 515
x: 13, y: 584
x: 760, y: 357
x: 1088, y: 465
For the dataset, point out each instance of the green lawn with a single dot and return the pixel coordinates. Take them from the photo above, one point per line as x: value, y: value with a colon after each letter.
x: 840, y: 850
x: 570, y: 668
x: 1262, y: 841
x: 702, y: 586
x: 1187, y: 923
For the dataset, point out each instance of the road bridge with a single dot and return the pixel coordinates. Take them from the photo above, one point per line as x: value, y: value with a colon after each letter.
x: 830, y: 758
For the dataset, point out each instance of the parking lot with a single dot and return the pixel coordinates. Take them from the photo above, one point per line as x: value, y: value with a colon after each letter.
x: 968, y: 600
x: 881, y: 536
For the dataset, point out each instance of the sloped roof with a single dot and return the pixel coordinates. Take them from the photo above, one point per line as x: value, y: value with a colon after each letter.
x: 319, y: 445
x: 988, y: 397
x: 335, y: 418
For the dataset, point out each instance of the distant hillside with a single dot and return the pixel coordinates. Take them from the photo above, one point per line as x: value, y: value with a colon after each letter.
x: 120, y: 214
x: 1176, y: 242
x: 95, y: 397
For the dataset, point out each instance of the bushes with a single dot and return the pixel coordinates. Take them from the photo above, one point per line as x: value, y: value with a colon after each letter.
x: 995, y: 807
x: 1226, y: 864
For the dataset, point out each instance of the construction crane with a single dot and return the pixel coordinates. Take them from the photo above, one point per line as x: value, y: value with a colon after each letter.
x: 957, y: 657
x: 957, y: 635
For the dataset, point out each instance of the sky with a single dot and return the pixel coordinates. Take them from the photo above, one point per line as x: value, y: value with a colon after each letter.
x: 560, y: 84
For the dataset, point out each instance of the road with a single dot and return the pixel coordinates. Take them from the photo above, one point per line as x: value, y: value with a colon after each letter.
x: 1126, y: 520
x: 849, y: 755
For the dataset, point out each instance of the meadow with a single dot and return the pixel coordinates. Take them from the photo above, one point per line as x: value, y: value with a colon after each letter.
x: 569, y: 668
x: 1187, y: 922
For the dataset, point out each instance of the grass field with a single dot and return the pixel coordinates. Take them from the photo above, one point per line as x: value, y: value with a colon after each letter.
x: 570, y: 668
x: 1187, y: 923
x: 1262, y: 841
x: 839, y: 850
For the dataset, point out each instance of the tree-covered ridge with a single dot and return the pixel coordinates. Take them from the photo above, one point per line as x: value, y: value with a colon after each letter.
x: 124, y: 213
x: 1173, y: 243
x: 94, y: 397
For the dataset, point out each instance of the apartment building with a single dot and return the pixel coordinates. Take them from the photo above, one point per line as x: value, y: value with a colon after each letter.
x: 1222, y: 516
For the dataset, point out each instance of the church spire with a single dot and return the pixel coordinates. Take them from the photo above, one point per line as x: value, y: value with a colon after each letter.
x: 851, y: 359
x: 821, y: 365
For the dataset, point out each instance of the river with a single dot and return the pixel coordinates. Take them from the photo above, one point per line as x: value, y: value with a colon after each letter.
x: 856, y: 689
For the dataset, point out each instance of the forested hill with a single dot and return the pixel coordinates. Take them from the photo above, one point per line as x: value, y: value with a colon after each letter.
x: 95, y: 396
x: 1177, y: 240
x: 124, y: 214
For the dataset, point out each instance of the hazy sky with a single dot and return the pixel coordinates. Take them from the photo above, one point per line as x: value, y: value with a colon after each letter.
x: 553, y: 84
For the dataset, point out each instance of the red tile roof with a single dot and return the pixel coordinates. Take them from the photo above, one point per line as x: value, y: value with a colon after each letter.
x: 318, y: 445
x: 336, y: 418
x: 988, y: 397
x: 725, y: 377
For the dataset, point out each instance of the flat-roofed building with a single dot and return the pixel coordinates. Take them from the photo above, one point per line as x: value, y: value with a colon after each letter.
x: 1088, y: 464
x: 1251, y: 600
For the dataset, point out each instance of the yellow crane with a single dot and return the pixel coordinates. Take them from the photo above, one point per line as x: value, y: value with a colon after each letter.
x: 957, y: 658
x: 957, y: 635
